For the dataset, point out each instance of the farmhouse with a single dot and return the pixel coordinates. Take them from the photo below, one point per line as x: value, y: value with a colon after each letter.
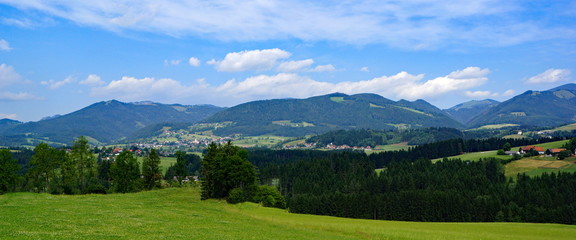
x: 554, y: 151
x: 526, y: 149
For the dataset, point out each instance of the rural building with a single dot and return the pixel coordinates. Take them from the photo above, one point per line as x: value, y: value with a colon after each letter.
x: 526, y: 149
x: 554, y: 151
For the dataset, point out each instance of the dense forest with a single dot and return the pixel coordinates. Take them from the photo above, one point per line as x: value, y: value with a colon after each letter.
x: 345, y: 184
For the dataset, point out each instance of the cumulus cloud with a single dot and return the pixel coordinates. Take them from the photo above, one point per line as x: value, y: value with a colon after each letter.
x: 195, y: 62
x: 8, y: 75
x: 294, y: 66
x: 484, y: 94
x: 57, y: 84
x: 4, y: 45
x: 324, y: 68
x: 250, y: 60
x: 134, y: 89
x: 282, y: 85
x: 411, y: 24
x: 364, y: 69
x: 478, y: 94
x: 551, y: 76
x: 458, y: 80
x: 93, y: 80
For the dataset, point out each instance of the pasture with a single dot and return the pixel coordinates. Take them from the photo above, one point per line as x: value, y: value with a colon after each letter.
x: 178, y: 213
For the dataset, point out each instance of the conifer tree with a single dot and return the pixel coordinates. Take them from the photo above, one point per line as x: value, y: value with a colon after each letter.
x: 151, y: 170
x: 8, y: 168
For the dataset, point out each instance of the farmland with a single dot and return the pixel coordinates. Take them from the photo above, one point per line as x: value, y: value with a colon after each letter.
x: 178, y: 213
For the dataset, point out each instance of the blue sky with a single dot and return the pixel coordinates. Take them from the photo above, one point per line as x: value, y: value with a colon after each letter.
x: 59, y: 56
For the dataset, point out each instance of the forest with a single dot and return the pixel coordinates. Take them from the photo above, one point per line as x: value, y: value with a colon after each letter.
x: 344, y: 184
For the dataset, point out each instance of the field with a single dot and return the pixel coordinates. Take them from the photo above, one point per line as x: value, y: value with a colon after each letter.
x: 475, y: 156
x: 265, y: 140
x: 538, y: 165
x: 165, y: 162
x: 178, y: 213
x: 393, y: 147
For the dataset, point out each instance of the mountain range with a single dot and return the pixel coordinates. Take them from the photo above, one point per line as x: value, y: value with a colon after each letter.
x: 107, y: 121
x: 111, y: 121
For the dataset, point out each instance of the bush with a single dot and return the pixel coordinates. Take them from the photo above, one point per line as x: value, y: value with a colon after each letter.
x: 269, y: 197
x: 236, y: 195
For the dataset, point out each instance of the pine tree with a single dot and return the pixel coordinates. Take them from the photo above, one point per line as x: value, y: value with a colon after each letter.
x: 8, y: 168
x: 151, y: 170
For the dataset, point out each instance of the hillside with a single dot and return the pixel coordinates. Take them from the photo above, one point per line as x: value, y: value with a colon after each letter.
x: 534, y: 108
x: 184, y: 215
x: 7, y: 124
x: 315, y: 115
x: 464, y: 112
x: 110, y: 120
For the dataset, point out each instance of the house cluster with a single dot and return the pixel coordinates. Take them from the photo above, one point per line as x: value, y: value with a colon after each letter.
x: 300, y: 146
x: 342, y: 147
x: 540, y: 150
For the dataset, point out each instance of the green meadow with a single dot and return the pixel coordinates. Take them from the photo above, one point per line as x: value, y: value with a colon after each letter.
x: 178, y: 213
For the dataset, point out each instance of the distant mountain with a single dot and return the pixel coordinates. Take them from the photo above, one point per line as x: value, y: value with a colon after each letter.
x: 464, y: 112
x: 315, y: 115
x: 111, y: 120
x: 7, y: 124
x: 536, y: 108
x: 569, y: 86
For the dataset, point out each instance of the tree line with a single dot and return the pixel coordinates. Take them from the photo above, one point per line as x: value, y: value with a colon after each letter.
x: 79, y: 170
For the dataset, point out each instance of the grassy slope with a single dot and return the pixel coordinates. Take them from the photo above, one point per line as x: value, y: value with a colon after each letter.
x: 178, y: 213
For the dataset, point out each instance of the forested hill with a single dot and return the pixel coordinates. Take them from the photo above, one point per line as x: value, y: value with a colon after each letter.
x: 315, y: 115
x: 464, y: 112
x: 536, y: 108
x: 110, y: 120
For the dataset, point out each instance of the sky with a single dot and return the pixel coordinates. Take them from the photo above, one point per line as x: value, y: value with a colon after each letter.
x: 58, y: 56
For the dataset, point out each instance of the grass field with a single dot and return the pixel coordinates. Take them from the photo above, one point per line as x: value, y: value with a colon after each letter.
x: 264, y: 140
x: 178, y: 213
x: 538, y: 165
x: 475, y: 156
x: 165, y: 162
x: 393, y: 147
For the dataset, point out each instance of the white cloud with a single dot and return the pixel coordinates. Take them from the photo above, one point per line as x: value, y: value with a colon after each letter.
x: 364, y: 69
x: 134, y: 89
x: 12, y: 116
x: 195, y: 62
x: 171, y: 62
x: 93, y: 80
x: 551, y: 76
x: 4, y: 45
x: 484, y: 94
x: 282, y: 85
x: 57, y: 84
x: 10, y: 96
x: 413, y: 24
x: 478, y: 94
x: 294, y: 66
x: 462, y: 79
x: 324, y: 68
x: 8, y: 75
x: 250, y: 60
